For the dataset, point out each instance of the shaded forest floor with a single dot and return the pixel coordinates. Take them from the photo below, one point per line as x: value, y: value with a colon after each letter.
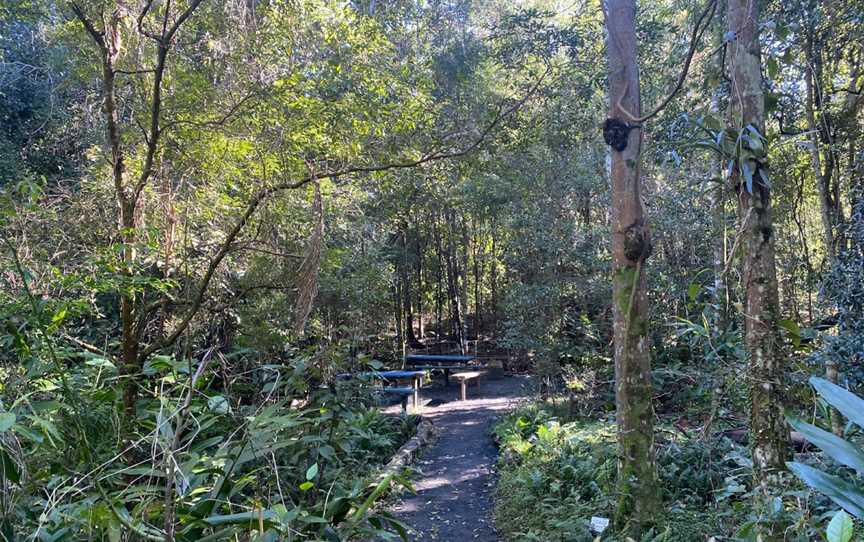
x: 455, y: 478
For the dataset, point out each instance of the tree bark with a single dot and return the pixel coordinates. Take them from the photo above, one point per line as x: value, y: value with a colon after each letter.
x: 397, y: 314
x: 418, y: 288
x: 464, y: 287
x: 639, y: 501
x: 493, y: 294
x: 820, y: 175
x: 405, y: 280
x: 439, y: 292
x: 456, y: 315
x: 770, y: 435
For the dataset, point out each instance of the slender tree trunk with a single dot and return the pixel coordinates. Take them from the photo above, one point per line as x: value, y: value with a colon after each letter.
x: 439, y: 291
x: 418, y: 287
x: 405, y: 279
x: 769, y: 433
x: 822, y: 177
x: 464, y: 289
x: 721, y: 291
x: 476, y: 261
x: 639, y: 501
x: 453, y: 274
x: 397, y: 312
x: 493, y: 272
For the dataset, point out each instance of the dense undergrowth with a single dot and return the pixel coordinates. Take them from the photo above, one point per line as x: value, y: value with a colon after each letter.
x: 556, y: 473
x: 274, y: 455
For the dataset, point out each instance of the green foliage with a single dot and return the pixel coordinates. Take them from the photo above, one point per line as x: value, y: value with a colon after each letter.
x: 840, y: 528
x: 218, y: 467
x: 507, y: 244
x: 849, y: 495
x: 569, y: 470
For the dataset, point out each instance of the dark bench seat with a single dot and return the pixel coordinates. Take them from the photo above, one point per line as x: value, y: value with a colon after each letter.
x: 395, y: 378
x: 403, y: 393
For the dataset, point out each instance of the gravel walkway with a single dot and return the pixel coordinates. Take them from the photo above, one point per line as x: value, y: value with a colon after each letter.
x: 456, y: 474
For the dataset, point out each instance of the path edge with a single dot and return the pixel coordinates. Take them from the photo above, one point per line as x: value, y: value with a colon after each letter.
x: 408, y: 452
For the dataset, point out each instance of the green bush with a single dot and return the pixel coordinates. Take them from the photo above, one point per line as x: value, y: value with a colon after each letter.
x: 205, y: 463
x: 846, y: 493
x: 555, y: 477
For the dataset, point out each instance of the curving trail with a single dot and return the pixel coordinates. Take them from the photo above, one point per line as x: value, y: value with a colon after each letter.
x: 455, y: 478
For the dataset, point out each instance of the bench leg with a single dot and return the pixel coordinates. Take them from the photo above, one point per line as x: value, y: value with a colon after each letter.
x: 404, y: 404
x: 446, y: 377
x: 416, y: 399
x: 464, y: 390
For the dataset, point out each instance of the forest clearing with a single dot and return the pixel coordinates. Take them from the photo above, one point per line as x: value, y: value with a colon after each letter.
x: 431, y: 270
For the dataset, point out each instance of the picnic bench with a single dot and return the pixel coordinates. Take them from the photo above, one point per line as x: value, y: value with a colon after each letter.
x: 466, y: 377
x: 441, y: 362
x: 413, y: 378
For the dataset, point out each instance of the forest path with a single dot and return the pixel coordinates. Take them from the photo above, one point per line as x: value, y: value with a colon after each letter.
x: 455, y: 478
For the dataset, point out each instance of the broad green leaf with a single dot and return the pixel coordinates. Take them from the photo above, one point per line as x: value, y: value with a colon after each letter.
x: 844, y: 494
x: 59, y: 316
x: 306, y: 486
x: 794, y: 330
x: 846, y: 402
x: 693, y: 291
x: 841, y: 528
x: 312, y: 471
x: 241, y: 518
x: 219, y: 404
x: 840, y: 450
x: 7, y: 420
x: 747, y: 173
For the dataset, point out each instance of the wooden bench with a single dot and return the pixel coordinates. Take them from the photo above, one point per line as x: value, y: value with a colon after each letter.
x: 465, y: 378
x: 447, y: 369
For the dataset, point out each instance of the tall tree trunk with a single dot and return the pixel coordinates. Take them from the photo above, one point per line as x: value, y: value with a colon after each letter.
x: 405, y: 279
x: 493, y: 286
x: 822, y: 177
x: 439, y: 291
x: 463, y: 281
x: 307, y: 274
x: 639, y: 493
x: 475, y: 254
x: 418, y: 288
x: 397, y: 313
x: 769, y: 433
x: 721, y: 290
x: 453, y: 274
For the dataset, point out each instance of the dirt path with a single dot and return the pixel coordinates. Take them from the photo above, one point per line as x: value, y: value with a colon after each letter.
x: 455, y: 482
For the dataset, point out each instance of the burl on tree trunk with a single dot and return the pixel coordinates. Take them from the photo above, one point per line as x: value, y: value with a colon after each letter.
x: 639, y: 501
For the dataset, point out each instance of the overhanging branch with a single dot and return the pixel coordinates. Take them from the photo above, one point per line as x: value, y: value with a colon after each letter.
x: 262, y: 195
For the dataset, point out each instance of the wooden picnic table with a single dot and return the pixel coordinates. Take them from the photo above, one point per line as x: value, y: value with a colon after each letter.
x: 442, y: 362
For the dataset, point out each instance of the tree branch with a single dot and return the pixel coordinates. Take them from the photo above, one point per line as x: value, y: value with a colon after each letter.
x: 264, y: 193
x: 698, y: 31
x: 97, y: 35
x: 164, y: 43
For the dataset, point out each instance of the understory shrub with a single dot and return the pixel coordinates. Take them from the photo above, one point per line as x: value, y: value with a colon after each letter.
x: 555, y: 475
x: 301, y: 463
